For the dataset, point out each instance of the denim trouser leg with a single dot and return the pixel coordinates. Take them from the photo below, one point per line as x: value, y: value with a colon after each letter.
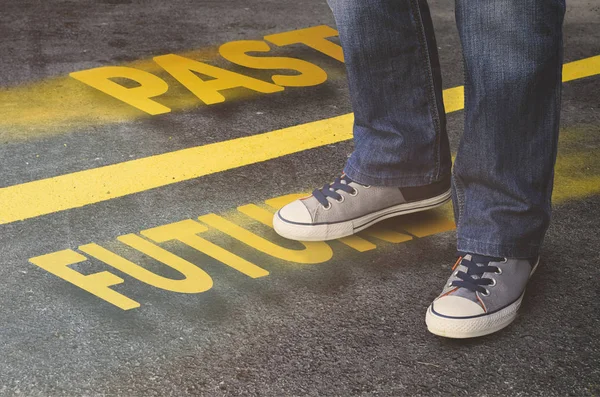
x: 503, y: 175
x: 504, y: 168
x: 395, y: 85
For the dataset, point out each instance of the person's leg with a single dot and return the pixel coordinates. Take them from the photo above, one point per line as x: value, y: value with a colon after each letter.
x: 401, y: 160
x: 396, y: 91
x: 503, y: 173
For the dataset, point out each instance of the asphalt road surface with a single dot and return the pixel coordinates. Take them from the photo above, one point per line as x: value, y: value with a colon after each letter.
x: 100, y: 298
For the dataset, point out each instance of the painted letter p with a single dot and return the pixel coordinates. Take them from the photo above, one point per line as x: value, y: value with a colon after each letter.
x: 138, y: 97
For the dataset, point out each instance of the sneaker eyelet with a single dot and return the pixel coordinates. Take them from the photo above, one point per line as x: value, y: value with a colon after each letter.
x: 486, y: 293
x: 328, y: 207
x: 449, y: 285
x: 455, y: 274
x: 504, y: 260
x: 367, y: 186
x: 354, y: 193
x: 499, y: 271
x: 493, y: 283
x: 341, y: 200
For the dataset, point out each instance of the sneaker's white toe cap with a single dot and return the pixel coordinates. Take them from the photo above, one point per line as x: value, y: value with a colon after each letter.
x: 295, y: 212
x: 456, y: 306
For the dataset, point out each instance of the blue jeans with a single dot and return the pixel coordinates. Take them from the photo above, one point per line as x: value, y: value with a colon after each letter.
x: 503, y: 174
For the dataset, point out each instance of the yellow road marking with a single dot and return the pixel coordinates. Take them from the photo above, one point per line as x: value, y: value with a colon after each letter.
x: 573, y: 180
x: 196, y: 279
x: 62, y: 104
x: 63, y: 192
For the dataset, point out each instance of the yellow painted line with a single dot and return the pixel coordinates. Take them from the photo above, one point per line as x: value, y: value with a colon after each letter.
x: 46, y: 196
x: 81, y: 188
x: 86, y: 98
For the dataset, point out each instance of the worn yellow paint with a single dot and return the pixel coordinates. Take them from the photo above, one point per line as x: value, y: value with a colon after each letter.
x: 138, y: 97
x: 454, y: 99
x: 196, y: 280
x: 386, y: 235
x: 185, y: 71
x: 63, y: 104
x: 577, y: 176
x: 279, y: 202
x: 309, y: 73
x: 314, y: 37
x: 576, y: 188
x: 82, y: 188
x: 255, y: 212
x: 583, y: 68
x: 187, y: 232
x: 358, y: 243
x: 573, y: 174
x: 97, y: 284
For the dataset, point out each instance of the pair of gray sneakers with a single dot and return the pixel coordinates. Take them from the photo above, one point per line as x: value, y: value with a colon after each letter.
x: 481, y: 296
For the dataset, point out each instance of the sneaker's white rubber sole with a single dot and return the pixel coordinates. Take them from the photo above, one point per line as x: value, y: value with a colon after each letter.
x: 471, y: 327
x: 331, y: 231
x: 461, y: 328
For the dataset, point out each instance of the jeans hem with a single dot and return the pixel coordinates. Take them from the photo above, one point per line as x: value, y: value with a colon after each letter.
x: 515, y: 251
x: 400, y: 181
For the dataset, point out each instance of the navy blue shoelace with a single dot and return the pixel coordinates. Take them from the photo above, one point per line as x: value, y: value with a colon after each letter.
x: 472, y: 279
x: 330, y: 190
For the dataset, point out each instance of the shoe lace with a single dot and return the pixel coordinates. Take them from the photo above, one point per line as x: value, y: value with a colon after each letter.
x: 331, y: 190
x: 473, y: 279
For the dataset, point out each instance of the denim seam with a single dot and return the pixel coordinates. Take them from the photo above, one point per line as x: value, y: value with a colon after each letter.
x: 434, y: 113
x: 460, y: 189
x: 558, y: 93
x: 460, y: 198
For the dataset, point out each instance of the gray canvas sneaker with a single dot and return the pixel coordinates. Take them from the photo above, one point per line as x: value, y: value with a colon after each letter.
x: 345, y: 207
x: 481, y: 296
